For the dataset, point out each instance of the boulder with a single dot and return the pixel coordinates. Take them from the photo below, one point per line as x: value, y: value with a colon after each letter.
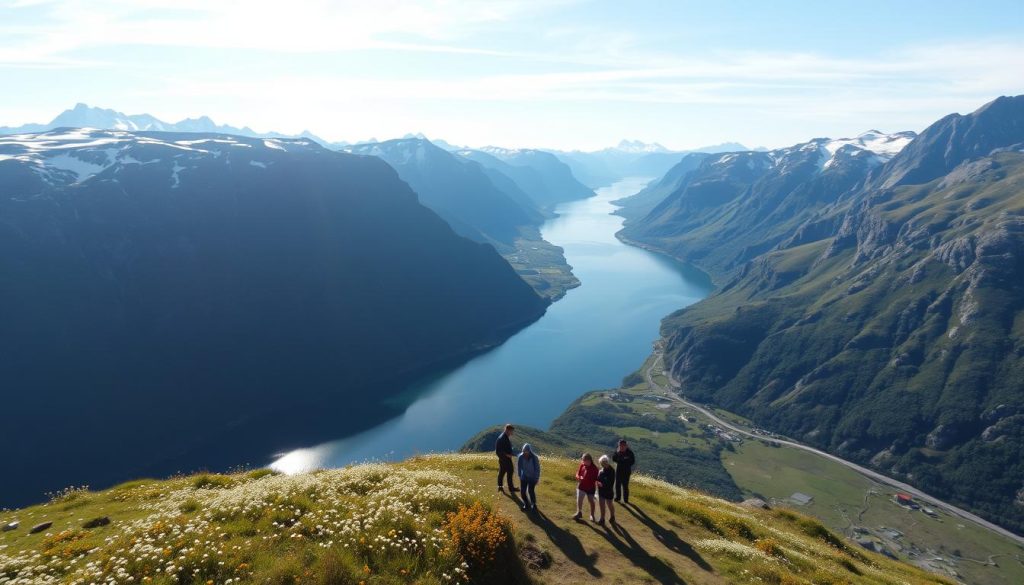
x: 10, y: 526
x: 942, y: 438
x: 97, y: 522
x: 40, y: 527
x: 756, y: 503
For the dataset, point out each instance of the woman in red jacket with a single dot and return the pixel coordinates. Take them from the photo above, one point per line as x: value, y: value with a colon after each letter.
x: 586, y: 485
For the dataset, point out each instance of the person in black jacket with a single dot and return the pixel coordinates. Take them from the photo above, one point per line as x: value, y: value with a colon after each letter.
x: 624, y: 461
x: 503, y: 449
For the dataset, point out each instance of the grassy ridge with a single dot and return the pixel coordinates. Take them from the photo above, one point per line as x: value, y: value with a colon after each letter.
x: 669, y: 448
x: 676, y: 442
x: 432, y: 519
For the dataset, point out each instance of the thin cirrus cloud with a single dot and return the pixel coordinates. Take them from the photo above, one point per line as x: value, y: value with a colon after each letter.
x: 39, y: 31
x: 953, y: 69
x: 462, y: 69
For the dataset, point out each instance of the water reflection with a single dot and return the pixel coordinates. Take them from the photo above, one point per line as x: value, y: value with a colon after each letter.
x: 593, y: 337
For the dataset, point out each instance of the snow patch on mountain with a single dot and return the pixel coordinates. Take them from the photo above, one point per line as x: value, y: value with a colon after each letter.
x: 887, y: 145
x: 501, y: 152
x: 80, y: 168
x: 639, y: 147
x: 881, y: 146
x: 68, y: 156
x: 176, y: 175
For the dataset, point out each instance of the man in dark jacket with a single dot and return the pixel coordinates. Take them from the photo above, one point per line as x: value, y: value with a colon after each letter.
x: 624, y: 461
x: 503, y: 449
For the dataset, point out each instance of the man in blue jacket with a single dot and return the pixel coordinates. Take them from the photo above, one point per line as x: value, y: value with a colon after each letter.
x: 503, y: 449
x: 529, y: 474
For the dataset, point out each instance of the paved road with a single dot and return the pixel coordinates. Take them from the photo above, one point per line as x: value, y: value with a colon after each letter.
x: 932, y: 500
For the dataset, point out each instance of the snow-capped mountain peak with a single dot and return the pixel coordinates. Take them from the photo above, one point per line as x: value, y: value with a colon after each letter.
x: 68, y: 156
x: 880, y: 143
x: 871, y: 148
x: 85, y: 116
x: 883, y: 146
x: 502, y: 152
x: 637, y: 146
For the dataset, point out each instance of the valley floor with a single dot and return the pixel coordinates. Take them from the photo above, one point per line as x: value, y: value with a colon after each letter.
x: 542, y: 265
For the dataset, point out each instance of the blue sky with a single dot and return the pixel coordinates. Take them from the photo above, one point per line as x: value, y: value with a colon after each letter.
x: 550, y: 73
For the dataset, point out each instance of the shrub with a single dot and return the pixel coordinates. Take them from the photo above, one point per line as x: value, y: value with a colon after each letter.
x: 477, y: 534
x: 769, y: 547
x: 262, y: 472
x: 212, y: 481
x: 65, y: 544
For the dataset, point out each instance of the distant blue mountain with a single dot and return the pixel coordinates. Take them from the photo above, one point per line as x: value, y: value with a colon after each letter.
x: 630, y: 159
x: 85, y: 116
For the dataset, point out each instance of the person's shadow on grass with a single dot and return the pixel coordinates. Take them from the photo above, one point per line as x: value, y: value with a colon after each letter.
x: 638, y: 555
x: 667, y: 537
x: 566, y: 542
x: 514, y: 496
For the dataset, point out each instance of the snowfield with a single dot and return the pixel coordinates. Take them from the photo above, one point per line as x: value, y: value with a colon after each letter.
x: 74, y: 155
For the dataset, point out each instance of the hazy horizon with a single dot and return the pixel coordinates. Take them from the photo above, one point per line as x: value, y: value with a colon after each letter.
x: 570, y: 74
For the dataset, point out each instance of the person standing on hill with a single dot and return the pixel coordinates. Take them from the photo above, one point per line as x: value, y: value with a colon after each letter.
x: 624, y: 461
x: 528, y: 467
x: 605, y: 487
x: 503, y: 449
x: 586, y: 485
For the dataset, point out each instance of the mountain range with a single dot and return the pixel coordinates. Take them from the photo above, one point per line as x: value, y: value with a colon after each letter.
x: 459, y: 190
x: 871, y: 299
x: 630, y: 159
x: 498, y: 201
x: 85, y: 116
x: 722, y: 210
x: 166, y: 293
x: 546, y: 179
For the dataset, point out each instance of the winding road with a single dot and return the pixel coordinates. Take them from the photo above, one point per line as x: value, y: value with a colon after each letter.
x: 874, y: 475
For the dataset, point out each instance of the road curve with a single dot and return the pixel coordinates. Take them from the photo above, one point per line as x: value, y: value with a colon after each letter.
x: 884, y: 479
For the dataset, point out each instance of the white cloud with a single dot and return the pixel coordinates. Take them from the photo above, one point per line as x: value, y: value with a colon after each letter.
x: 523, y: 61
x: 60, y: 27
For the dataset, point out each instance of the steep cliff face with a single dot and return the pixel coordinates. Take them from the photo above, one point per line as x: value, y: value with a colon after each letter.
x: 490, y: 201
x: 955, y: 139
x: 732, y: 207
x: 637, y: 206
x: 458, y: 190
x: 889, y: 326
x: 547, y: 180
x: 184, y: 300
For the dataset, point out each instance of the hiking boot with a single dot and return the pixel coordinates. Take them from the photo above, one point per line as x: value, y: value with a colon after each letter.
x: 592, y: 518
x: 577, y: 516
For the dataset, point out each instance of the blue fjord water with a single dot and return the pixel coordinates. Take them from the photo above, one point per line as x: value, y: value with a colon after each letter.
x: 589, y: 340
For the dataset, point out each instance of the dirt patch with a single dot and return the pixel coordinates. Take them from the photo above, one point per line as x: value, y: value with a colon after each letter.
x: 534, y: 558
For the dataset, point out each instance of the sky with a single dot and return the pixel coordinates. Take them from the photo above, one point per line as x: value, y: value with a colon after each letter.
x: 566, y: 74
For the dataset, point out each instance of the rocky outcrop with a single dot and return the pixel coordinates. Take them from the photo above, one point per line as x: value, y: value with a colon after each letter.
x: 899, y: 344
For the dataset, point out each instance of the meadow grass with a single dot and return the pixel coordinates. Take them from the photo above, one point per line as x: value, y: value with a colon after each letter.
x: 429, y: 520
